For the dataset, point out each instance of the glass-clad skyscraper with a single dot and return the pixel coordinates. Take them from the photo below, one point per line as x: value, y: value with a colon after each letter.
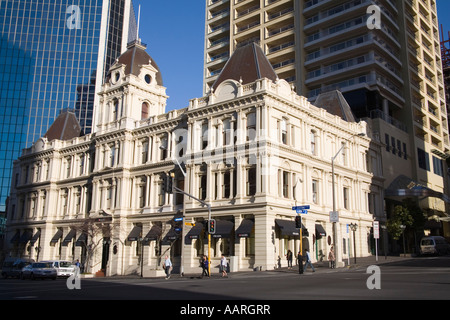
x: 54, y: 56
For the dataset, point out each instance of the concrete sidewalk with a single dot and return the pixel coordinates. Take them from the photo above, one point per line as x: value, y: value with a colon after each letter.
x: 320, y: 267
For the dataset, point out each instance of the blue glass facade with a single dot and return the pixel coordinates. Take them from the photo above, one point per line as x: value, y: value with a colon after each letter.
x: 50, y: 55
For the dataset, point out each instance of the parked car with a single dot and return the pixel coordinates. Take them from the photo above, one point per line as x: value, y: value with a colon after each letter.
x: 12, y: 267
x: 39, y: 270
x: 434, y: 245
x: 63, y: 268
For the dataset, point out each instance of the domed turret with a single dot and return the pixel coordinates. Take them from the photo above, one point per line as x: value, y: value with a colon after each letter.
x: 133, y: 90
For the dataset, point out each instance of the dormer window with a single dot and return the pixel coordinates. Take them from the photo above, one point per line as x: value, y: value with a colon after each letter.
x: 148, y: 78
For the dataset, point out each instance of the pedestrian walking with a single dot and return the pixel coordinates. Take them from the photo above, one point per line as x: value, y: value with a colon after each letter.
x: 224, y: 265
x: 289, y: 259
x: 332, y: 258
x: 204, y: 263
x: 167, y: 267
x: 308, y: 262
x: 300, y: 262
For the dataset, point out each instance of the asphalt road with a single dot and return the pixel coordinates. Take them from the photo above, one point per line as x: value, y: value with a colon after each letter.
x: 408, y: 279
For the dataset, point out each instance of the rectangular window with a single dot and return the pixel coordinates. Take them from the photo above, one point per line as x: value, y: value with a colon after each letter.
x: 204, y: 137
x: 81, y: 171
x: 285, y: 184
x: 313, y: 142
x: 251, y: 126
x: 315, y: 191
x: 283, y: 131
x: 202, y: 189
x: 142, y: 192
x: 423, y: 159
x: 437, y: 166
x: 386, y: 140
x: 346, y: 200
x: 394, y: 151
x: 226, y: 184
x: 251, y: 182
x: 144, y: 154
x: 226, y: 133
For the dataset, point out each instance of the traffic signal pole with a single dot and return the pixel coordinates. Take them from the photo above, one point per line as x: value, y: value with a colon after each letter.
x: 177, y: 190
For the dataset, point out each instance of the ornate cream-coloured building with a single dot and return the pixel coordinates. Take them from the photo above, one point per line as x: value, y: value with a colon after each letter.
x: 252, y: 149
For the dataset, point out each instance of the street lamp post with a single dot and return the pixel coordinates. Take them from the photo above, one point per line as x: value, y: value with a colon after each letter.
x: 334, y: 194
x: 353, y: 227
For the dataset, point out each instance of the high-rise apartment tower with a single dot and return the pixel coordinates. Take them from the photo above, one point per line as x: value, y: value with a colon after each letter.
x: 384, y: 56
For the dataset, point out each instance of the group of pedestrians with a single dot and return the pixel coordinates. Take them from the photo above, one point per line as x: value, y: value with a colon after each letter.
x: 204, y: 263
x: 205, y: 266
x: 303, y: 267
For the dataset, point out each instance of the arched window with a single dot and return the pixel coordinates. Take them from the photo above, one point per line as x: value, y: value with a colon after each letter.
x: 144, y: 112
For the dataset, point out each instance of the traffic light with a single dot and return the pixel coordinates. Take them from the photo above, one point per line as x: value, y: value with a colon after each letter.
x: 212, y: 226
x: 298, y: 222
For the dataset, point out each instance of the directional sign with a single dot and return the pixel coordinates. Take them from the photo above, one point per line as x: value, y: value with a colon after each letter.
x: 189, y: 224
x: 178, y: 219
x: 301, y: 208
x: 302, y: 211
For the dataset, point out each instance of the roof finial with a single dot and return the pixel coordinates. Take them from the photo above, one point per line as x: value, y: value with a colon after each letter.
x: 138, y: 23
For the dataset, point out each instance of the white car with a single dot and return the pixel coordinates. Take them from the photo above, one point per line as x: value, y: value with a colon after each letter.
x: 434, y: 245
x: 63, y: 268
x: 38, y: 270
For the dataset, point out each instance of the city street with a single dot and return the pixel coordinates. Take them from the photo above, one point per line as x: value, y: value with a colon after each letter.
x: 425, y: 278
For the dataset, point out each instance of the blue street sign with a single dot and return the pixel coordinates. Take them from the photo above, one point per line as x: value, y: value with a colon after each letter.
x: 178, y: 219
x: 302, y: 211
x: 301, y: 208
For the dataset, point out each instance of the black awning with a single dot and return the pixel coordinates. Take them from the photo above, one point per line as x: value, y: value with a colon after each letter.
x: 196, y: 231
x: 58, y: 235
x: 35, y: 237
x: 82, y: 240
x: 154, y: 233
x: 245, y: 229
x: 223, y: 229
x: 70, y: 236
x: 172, y: 235
x: 287, y: 228
x: 26, y: 236
x: 135, y: 234
x: 16, y: 237
x: 320, y: 231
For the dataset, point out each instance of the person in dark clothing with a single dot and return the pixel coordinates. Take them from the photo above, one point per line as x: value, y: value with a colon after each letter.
x: 300, y: 262
x: 289, y: 259
x: 205, y: 267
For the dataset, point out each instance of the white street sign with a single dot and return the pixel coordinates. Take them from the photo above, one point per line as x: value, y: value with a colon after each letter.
x: 376, y: 230
x: 334, y: 216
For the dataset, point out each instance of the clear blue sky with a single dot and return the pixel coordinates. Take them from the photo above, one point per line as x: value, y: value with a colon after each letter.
x: 174, y: 32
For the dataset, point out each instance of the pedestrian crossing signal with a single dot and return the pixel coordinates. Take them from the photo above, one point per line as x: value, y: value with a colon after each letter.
x: 212, y: 226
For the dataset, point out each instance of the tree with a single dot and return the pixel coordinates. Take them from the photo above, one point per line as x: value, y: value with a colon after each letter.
x: 401, y: 216
x: 94, y: 233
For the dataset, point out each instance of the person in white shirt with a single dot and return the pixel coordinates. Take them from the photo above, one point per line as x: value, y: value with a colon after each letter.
x: 167, y: 267
x: 224, y: 265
